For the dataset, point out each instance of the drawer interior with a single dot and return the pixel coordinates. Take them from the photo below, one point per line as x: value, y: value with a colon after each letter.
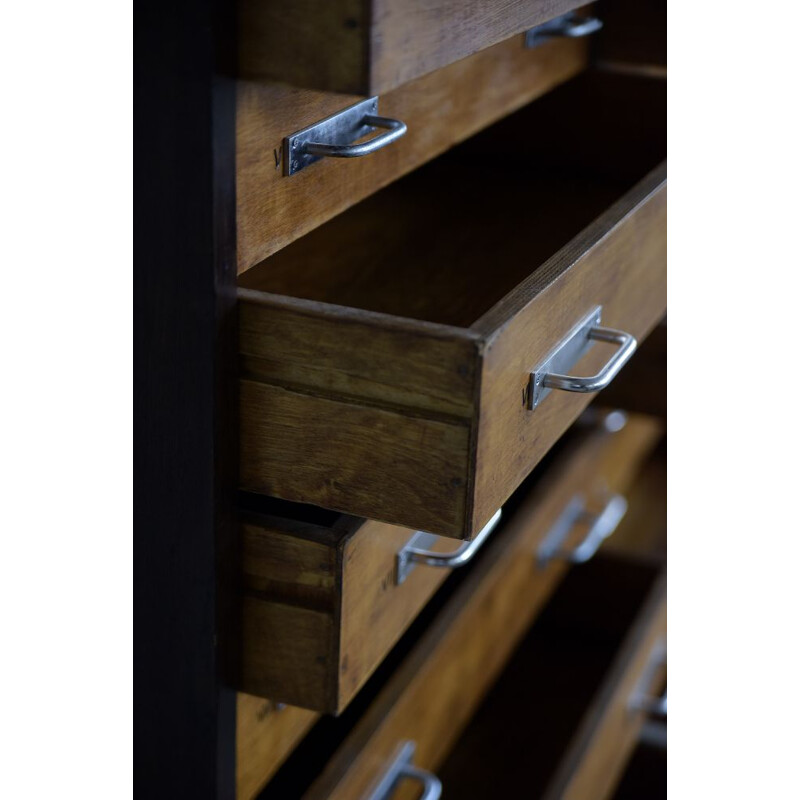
x: 549, y: 683
x: 454, y: 237
x: 573, y: 643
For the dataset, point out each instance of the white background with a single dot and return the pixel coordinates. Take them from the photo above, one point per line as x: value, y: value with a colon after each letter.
x: 66, y: 408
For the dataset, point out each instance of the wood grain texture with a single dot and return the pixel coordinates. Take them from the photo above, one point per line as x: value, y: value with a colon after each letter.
x: 619, y: 262
x: 265, y: 735
x: 433, y: 693
x: 440, y: 109
x: 393, y: 345
x: 322, y: 46
x: 338, y: 454
x: 601, y: 748
x: 385, y: 360
x: 371, y: 46
x: 321, y: 608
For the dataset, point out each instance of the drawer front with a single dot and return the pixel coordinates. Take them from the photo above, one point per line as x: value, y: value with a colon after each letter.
x: 440, y: 109
x: 619, y: 264
x: 436, y: 689
x: 319, y: 614
x: 369, y: 47
x: 266, y: 732
x: 608, y: 735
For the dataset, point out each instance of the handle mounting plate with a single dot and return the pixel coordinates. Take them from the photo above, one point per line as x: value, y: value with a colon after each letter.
x: 566, y: 354
x: 342, y: 128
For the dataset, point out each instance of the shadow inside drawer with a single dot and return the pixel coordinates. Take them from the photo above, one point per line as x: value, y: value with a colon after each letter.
x: 448, y: 241
x: 519, y: 735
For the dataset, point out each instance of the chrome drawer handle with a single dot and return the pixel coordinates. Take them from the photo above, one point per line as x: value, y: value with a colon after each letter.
x: 402, y: 768
x: 570, y: 25
x: 602, y: 525
x: 570, y: 383
x: 641, y: 699
x: 414, y: 551
x: 394, y: 127
x: 547, y: 375
x: 333, y: 137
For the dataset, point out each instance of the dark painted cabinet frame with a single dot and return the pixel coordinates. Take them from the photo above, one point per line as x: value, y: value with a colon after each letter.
x: 184, y: 381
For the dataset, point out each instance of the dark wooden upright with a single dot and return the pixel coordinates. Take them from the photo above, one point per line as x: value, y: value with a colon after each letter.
x: 184, y: 364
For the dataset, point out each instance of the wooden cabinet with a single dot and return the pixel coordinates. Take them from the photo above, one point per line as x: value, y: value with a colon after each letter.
x: 396, y: 346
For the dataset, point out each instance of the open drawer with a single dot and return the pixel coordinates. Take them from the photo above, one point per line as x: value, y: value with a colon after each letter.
x: 397, y: 362
x: 428, y: 686
x: 326, y: 596
x: 576, y: 692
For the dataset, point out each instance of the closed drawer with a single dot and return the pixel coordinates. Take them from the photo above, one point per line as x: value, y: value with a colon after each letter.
x: 368, y: 46
x: 266, y: 733
x: 441, y: 109
x: 322, y: 604
x: 387, y: 357
x: 575, y: 692
x: 435, y: 684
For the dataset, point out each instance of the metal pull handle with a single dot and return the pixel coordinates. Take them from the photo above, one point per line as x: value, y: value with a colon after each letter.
x: 641, y: 699
x: 601, y: 526
x: 394, y: 127
x: 549, y: 374
x: 415, y: 551
x: 570, y: 383
x: 402, y: 768
x: 334, y: 136
x: 570, y: 25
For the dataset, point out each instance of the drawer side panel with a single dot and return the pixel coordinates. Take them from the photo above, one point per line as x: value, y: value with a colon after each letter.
x: 619, y: 263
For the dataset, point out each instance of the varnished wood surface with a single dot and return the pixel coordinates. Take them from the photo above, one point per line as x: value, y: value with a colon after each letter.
x: 392, y: 346
x: 321, y: 607
x: 433, y: 693
x: 371, y: 46
x: 601, y: 748
x: 440, y: 109
x: 565, y: 692
x: 265, y: 734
